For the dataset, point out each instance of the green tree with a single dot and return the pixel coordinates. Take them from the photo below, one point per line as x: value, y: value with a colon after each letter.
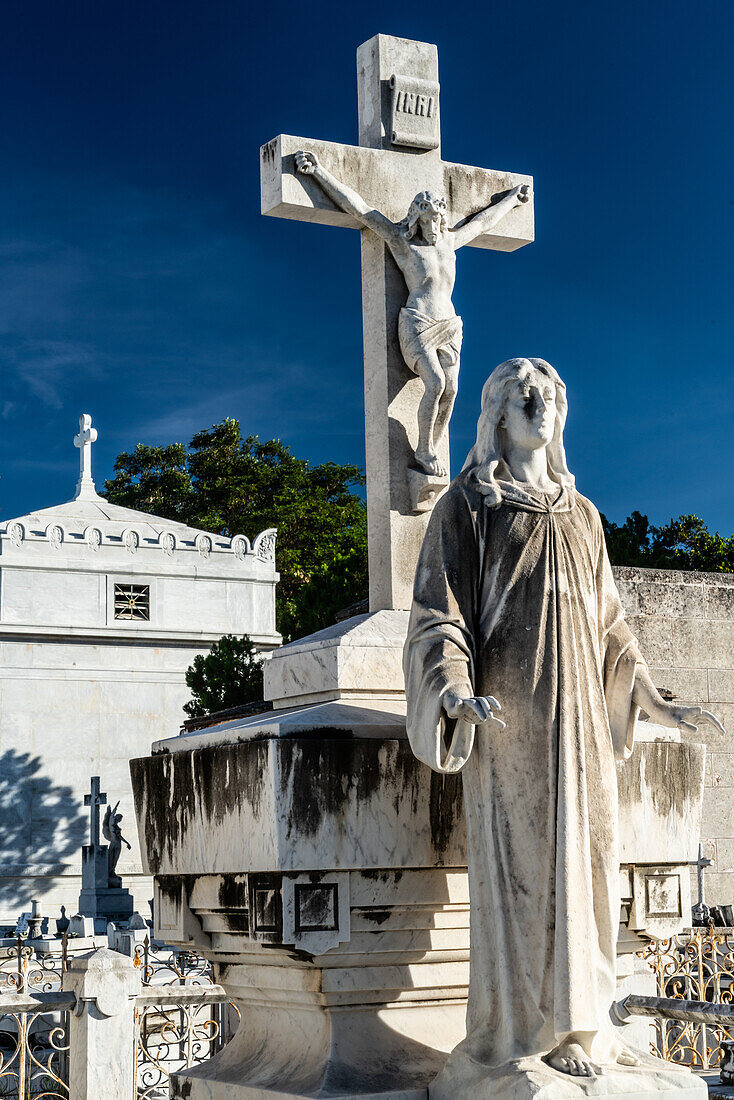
x: 231, y: 674
x: 231, y: 485
x: 683, y: 543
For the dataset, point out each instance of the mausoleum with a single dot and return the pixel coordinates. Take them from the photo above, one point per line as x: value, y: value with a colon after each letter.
x: 102, y: 610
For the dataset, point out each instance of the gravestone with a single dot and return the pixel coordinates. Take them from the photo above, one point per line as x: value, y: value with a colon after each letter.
x: 305, y: 851
x: 103, y: 897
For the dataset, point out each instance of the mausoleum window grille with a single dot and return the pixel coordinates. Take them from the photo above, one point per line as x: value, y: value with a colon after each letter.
x: 132, y: 601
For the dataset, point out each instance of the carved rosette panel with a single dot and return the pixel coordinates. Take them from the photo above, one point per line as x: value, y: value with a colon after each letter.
x: 265, y: 544
x: 168, y: 543
x: 240, y: 547
x: 131, y: 541
x: 94, y: 538
x: 16, y: 533
x: 204, y: 545
x: 56, y: 536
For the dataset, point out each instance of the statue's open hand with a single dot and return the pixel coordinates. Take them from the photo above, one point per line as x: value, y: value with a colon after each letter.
x: 477, y: 709
x: 687, y: 718
x: 306, y: 163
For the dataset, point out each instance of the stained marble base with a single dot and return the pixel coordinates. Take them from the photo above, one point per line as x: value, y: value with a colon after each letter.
x: 532, y: 1079
x: 339, y: 1054
x: 193, y: 1089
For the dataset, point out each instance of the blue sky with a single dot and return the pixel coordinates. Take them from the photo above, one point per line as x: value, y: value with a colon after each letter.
x: 139, y: 282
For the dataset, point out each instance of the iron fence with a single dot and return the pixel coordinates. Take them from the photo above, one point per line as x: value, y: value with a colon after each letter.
x: 33, y: 1045
x: 179, y: 1021
x: 172, y: 1037
x: 697, y: 965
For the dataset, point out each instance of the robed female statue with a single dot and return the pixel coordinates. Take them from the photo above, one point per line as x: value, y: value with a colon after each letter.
x: 515, y: 598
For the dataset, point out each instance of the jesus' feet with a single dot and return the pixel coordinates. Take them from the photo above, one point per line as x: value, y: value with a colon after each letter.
x: 429, y: 463
x: 570, y: 1057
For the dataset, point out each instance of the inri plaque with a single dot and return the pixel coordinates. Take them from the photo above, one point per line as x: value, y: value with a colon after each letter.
x: 414, y: 113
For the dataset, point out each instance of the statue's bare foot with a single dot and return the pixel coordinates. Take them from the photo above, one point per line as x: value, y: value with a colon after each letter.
x: 430, y: 464
x: 570, y: 1057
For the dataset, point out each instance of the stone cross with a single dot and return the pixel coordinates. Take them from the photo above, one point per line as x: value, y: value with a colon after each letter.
x: 94, y: 800
x: 87, y: 436
x: 701, y: 911
x: 398, y: 156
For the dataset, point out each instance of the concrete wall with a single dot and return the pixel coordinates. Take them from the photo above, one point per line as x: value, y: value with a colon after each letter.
x: 82, y: 692
x: 69, y: 711
x: 84, y: 599
x: 685, y: 626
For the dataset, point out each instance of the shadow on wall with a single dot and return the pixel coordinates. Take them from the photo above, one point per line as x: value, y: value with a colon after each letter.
x: 42, y: 825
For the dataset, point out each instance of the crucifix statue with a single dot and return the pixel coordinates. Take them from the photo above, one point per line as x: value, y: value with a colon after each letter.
x: 83, y: 440
x: 412, y: 336
x: 94, y: 800
x: 424, y: 248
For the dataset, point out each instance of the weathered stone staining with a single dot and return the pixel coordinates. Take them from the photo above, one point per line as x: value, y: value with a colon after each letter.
x: 514, y: 595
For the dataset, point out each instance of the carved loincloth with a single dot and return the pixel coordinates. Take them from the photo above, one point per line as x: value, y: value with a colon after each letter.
x: 419, y: 333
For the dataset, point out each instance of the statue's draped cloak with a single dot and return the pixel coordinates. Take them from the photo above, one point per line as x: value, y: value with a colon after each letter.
x: 518, y: 601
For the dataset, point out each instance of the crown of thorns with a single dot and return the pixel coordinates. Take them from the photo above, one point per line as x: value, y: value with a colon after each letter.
x: 421, y: 204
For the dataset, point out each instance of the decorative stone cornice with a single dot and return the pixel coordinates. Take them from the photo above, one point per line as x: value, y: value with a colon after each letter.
x: 92, y: 538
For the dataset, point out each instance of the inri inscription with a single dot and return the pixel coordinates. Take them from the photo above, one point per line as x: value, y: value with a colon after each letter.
x: 414, y: 120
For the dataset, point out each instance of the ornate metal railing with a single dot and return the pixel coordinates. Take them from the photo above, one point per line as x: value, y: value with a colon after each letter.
x: 34, y: 1035
x: 182, y: 1028
x: 181, y: 1019
x: 697, y: 965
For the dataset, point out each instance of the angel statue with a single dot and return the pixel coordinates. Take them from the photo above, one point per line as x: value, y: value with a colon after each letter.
x: 112, y: 832
x: 515, y: 603
x: 424, y: 248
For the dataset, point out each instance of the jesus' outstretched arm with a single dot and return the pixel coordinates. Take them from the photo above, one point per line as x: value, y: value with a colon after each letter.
x: 486, y: 219
x: 308, y: 164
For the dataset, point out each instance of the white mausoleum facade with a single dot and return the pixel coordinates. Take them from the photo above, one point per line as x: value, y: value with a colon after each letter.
x: 102, y: 610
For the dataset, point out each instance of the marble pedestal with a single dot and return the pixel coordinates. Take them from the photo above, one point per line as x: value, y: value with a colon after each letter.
x: 323, y: 875
x: 532, y: 1079
x: 322, y: 869
x: 97, y: 898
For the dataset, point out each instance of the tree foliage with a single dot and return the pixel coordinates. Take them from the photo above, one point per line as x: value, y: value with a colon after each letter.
x: 230, y: 675
x: 683, y: 543
x: 231, y: 485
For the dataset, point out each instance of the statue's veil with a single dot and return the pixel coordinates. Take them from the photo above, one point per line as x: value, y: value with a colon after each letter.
x: 485, y: 459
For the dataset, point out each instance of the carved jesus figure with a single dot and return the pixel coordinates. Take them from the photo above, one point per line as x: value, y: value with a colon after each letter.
x: 515, y: 601
x: 424, y: 248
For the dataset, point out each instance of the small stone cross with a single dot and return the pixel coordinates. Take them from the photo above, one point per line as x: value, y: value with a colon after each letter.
x: 94, y: 800
x: 87, y: 436
x: 701, y: 911
x: 398, y: 156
